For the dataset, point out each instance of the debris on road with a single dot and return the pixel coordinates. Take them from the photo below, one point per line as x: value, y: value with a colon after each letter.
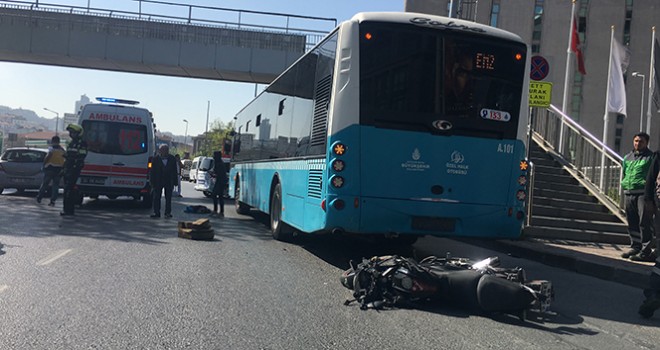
x: 197, y: 230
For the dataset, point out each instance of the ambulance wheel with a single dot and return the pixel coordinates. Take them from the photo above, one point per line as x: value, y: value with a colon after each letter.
x: 79, y: 199
x: 146, y: 201
x: 278, y: 228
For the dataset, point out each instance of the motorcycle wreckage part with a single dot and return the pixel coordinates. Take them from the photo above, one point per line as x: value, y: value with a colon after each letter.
x: 390, y: 281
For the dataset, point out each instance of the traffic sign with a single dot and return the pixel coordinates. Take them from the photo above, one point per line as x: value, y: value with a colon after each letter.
x: 539, y: 68
x: 540, y: 94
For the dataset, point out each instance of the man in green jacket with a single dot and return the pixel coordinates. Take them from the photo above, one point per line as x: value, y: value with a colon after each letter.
x: 636, y: 166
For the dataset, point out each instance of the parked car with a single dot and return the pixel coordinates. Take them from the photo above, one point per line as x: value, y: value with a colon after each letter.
x: 185, y: 171
x: 203, y: 180
x: 21, y: 168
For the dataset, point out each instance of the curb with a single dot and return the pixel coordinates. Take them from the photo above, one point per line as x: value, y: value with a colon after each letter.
x: 606, y: 268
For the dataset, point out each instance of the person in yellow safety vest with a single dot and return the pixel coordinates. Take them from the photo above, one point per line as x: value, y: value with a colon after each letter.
x: 53, y: 163
x: 74, y: 161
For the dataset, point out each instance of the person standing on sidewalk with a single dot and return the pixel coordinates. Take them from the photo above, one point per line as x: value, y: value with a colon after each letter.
x: 636, y: 166
x: 163, y: 176
x: 652, y: 201
x: 53, y: 165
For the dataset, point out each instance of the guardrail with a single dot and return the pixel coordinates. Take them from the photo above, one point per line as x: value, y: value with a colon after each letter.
x: 593, y: 163
x: 198, y: 16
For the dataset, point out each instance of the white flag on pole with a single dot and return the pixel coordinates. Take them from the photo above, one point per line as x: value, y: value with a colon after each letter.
x: 616, y: 102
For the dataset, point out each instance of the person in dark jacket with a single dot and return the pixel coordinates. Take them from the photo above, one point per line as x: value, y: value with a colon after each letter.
x: 636, y: 166
x: 76, y: 152
x: 218, y: 192
x: 163, y: 176
x: 652, y: 203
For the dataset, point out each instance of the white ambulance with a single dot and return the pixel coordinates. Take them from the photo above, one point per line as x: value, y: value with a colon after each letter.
x: 120, y: 145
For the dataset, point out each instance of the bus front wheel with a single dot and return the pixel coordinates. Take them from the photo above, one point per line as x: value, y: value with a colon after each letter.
x: 241, y: 208
x: 280, y: 230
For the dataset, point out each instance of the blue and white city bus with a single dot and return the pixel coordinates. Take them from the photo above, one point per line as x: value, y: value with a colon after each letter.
x: 400, y: 124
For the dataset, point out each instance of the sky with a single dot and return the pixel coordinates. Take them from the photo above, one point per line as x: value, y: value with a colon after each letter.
x: 170, y: 99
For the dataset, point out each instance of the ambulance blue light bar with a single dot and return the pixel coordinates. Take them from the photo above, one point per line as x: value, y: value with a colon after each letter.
x: 116, y: 100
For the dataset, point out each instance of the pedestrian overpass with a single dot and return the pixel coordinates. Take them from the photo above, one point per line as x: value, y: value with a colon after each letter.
x: 208, y: 43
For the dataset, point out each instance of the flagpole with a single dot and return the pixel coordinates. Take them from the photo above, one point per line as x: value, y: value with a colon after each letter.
x: 651, y: 83
x: 569, y: 61
x: 606, y: 118
x: 567, y: 79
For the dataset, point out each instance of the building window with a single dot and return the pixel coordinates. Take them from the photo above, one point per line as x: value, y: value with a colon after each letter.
x: 494, y: 13
x: 620, y: 118
x: 538, y: 26
x: 627, y: 23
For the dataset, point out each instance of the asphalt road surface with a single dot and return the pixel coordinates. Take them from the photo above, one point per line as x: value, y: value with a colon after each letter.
x: 113, y: 278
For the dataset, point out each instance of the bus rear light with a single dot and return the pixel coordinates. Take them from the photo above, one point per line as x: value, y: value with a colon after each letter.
x: 338, y: 204
x: 524, y: 165
x: 520, y: 215
x: 521, y: 195
x: 323, y: 205
x: 339, y: 149
x: 338, y: 165
x: 337, y: 181
x: 522, y: 180
x: 356, y: 202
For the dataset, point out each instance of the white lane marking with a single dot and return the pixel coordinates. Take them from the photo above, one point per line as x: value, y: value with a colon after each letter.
x: 3, y: 287
x: 53, y: 257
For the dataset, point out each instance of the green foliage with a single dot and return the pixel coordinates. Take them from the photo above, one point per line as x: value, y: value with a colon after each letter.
x: 219, y: 131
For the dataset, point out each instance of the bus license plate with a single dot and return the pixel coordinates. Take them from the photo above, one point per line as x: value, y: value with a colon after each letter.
x: 425, y: 223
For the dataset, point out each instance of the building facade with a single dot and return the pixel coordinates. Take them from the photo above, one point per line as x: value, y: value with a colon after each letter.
x: 545, y: 25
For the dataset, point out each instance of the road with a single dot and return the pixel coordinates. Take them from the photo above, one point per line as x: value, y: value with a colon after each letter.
x: 113, y: 278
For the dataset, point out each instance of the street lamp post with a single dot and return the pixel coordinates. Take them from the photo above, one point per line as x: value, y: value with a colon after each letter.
x: 641, y: 106
x: 57, y: 119
x: 185, y: 138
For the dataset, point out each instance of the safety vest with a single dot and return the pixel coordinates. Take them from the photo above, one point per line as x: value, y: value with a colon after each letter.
x: 55, y: 157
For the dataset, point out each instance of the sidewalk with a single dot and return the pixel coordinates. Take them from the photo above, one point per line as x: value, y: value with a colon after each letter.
x: 594, y: 259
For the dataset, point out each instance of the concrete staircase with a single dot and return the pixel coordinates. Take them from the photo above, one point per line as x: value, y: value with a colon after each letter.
x: 563, y: 209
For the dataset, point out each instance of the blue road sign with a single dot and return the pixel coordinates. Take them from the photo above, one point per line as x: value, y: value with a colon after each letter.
x: 539, y: 68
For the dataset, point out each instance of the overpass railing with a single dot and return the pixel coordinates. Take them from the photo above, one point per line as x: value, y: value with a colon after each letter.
x: 595, y: 165
x: 313, y: 28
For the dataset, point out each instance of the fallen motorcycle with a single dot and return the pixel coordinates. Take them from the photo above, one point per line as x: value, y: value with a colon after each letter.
x: 391, y: 281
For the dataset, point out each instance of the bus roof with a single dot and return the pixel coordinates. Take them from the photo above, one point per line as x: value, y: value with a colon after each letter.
x: 421, y: 19
x: 433, y: 21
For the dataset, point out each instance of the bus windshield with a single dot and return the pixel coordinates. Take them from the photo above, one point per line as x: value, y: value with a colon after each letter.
x: 440, y: 81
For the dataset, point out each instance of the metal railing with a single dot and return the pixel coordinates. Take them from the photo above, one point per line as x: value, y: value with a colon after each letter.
x: 585, y: 156
x: 203, y: 16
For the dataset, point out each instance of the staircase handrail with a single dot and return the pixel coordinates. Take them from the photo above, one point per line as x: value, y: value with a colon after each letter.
x: 595, y: 166
x: 584, y: 132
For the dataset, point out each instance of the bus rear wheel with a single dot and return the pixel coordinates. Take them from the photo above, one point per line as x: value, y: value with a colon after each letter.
x: 278, y: 228
x: 241, y: 208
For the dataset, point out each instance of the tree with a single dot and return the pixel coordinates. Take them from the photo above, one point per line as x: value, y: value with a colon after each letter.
x: 216, y: 137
